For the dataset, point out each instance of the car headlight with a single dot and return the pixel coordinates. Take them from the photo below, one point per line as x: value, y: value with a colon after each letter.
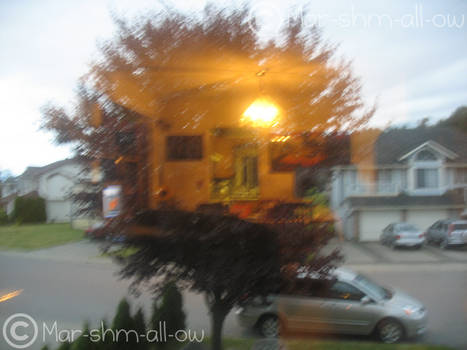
x: 413, y: 311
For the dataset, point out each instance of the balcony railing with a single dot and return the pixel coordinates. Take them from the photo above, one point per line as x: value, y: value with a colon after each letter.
x: 380, y: 188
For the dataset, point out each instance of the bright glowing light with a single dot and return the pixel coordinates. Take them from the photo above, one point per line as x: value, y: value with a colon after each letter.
x: 261, y: 113
x: 11, y: 295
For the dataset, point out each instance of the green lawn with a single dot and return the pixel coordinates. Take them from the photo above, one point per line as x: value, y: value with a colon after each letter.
x: 305, y: 344
x: 30, y: 237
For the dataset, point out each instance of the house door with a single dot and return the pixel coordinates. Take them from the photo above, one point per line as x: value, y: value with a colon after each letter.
x: 246, y: 173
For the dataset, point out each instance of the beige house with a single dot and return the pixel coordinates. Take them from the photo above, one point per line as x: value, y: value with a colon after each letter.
x: 413, y: 175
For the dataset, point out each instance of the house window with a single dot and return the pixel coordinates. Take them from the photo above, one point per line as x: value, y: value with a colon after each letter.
x: 426, y: 178
x: 461, y: 176
x: 184, y: 147
x: 426, y: 156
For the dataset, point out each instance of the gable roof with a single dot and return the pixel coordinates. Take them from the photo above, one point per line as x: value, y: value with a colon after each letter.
x: 393, y: 144
x: 433, y: 145
x: 34, y: 171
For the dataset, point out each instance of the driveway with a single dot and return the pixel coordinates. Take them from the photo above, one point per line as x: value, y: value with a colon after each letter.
x: 426, y: 254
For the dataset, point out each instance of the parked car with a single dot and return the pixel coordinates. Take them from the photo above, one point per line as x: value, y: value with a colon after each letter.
x: 103, y: 230
x: 447, y: 233
x: 346, y: 303
x: 402, y: 234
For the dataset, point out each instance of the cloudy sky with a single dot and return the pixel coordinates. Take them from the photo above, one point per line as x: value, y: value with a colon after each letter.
x: 410, y: 55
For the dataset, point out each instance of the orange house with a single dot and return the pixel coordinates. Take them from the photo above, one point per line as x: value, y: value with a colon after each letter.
x: 214, y: 145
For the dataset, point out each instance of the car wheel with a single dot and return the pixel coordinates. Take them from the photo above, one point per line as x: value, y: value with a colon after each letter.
x: 393, y: 245
x: 269, y: 326
x: 390, y: 331
x: 443, y: 244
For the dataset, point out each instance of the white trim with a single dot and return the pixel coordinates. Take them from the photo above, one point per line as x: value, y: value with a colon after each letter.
x: 435, y: 146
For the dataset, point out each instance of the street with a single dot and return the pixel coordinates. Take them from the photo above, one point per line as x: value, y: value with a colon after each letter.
x: 71, y: 292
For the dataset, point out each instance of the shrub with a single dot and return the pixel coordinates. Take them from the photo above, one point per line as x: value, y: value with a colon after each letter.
x: 124, y: 321
x: 170, y: 311
x: 3, y: 217
x: 65, y: 346
x: 84, y: 341
x: 140, y: 327
x: 29, y: 210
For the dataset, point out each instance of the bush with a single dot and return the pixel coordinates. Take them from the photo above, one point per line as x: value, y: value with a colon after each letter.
x: 3, y: 217
x: 170, y: 311
x: 124, y: 321
x: 84, y: 341
x: 140, y: 327
x: 29, y: 210
x: 65, y: 346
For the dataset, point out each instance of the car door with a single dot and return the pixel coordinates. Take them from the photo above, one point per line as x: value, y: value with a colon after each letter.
x: 432, y: 231
x: 384, y: 236
x: 302, y: 309
x: 347, y: 313
x: 390, y: 238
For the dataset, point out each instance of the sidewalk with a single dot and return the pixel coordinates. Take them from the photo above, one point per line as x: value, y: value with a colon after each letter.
x: 83, y: 251
x: 355, y: 253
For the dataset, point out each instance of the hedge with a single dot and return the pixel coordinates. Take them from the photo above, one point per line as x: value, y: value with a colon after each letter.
x: 29, y: 210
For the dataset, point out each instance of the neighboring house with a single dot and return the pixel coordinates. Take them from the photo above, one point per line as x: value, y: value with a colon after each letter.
x: 414, y: 175
x: 54, y: 182
x: 8, y: 194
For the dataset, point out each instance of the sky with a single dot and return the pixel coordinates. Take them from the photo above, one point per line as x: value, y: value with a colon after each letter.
x: 411, y: 57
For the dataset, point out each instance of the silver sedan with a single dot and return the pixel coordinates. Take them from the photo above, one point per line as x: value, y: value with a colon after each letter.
x: 402, y: 234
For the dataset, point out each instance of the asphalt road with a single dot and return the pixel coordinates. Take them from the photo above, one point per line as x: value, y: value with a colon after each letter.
x: 73, y: 292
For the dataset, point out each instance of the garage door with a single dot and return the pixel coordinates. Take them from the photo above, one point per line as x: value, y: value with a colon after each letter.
x: 372, y: 223
x: 425, y: 218
x: 58, y: 211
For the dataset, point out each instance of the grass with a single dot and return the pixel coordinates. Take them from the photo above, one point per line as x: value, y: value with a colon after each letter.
x: 306, y: 344
x: 31, y: 237
x: 120, y: 252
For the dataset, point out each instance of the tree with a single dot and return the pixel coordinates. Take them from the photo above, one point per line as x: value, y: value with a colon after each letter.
x: 164, y: 66
x: 160, y: 66
x: 169, y: 311
x: 124, y: 322
x: 223, y: 257
x: 140, y: 327
x: 458, y: 119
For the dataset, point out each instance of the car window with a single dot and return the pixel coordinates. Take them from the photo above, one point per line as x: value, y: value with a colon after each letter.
x: 460, y: 226
x: 406, y: 227
x: 345, y: 291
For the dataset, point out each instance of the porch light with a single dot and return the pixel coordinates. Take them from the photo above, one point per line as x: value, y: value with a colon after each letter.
x: 261, y: 113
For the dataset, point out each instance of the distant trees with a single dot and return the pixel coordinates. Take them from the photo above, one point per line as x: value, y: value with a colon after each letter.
x: 458, y: 119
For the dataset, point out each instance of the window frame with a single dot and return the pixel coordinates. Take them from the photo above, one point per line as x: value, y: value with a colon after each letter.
x: 333, y: 296
x: 170, y: 154
x: 419, y: 169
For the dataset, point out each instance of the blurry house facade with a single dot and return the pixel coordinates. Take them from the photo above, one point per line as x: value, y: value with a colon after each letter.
x: 413, y: 175
x: 213, y: 158
x: 54, y: 182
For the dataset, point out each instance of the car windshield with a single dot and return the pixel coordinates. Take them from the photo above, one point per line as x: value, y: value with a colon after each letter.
x: 374, y: 289
x: 407, y: 227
